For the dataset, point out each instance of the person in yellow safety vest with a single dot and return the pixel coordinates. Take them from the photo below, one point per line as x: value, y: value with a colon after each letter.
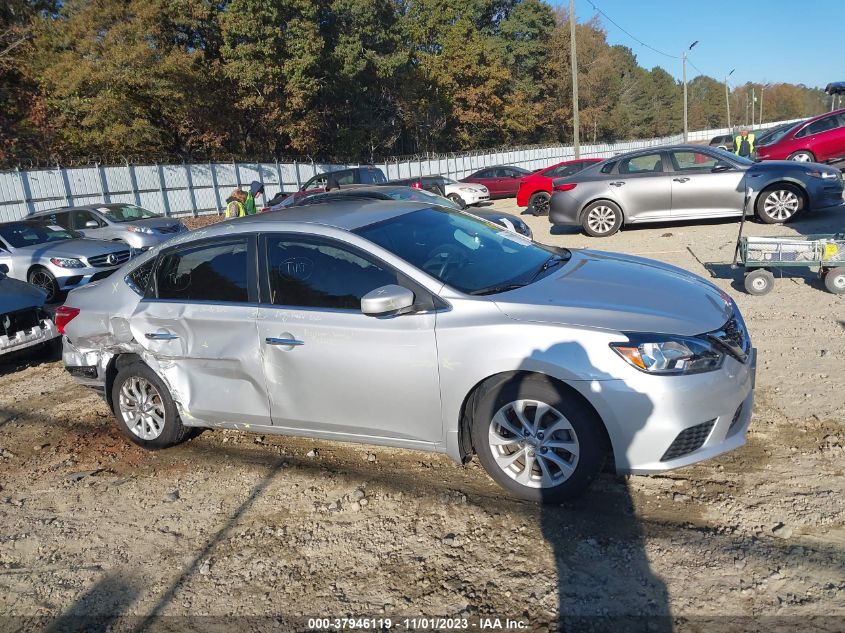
x: 235, y: 204
x: 744, y: 143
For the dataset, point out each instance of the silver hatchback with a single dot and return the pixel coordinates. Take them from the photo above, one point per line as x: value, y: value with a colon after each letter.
x: 419, y: 327
x: 119, y: 222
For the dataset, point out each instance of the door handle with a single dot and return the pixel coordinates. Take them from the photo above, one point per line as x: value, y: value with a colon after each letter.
x: 161, y: 336
x: 289, y: 342
x: 617, y: 183
x: 684, y: 179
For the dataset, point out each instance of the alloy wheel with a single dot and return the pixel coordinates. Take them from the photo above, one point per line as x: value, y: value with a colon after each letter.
x: 781, y: 204
x: 533, y: 443
x: 43, y: 280
x: 802, y: 157
x: 601, y: 219
x: 142, y: 408
x: 540, y: 204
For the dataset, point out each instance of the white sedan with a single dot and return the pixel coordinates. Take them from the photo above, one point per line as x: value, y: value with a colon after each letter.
x: 465, y: 194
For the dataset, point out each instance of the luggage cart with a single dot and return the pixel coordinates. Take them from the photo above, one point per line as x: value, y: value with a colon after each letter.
x: 759, y: 255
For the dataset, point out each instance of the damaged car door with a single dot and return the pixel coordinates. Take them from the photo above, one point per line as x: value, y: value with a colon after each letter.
x: 333, y: 371
x: 197, y: 321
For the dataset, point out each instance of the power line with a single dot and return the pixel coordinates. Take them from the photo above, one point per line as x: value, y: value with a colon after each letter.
x: 629, y: 34
x: 700, y: 72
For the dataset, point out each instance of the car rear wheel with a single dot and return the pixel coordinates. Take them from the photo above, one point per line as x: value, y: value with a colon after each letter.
x: 144, y: 409
x: 457, y: 200
x: 779, y: 203
x: 759, y: 282
x: 536, y: 440
x: 601, y: 219
x: 834, y: 280
x: 45, y: 280
x: 538, y: 204
x: 803, y: 157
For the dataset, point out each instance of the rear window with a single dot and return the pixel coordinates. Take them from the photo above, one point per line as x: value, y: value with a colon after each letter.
x: 139, y: 279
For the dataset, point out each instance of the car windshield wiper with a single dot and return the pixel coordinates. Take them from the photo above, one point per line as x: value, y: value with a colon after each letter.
x: 551, y: 262
x: 492, y: 290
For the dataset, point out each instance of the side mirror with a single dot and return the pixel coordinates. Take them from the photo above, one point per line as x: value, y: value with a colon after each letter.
x: 4, y: 269
x: 386, y: 300
x: 721, y: 167
x: 92, y: 224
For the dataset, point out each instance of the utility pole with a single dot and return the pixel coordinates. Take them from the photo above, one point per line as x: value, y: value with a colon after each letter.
x: 684, y: 57
x: 728, y: 97
x: 753, y: 105
x: 762, y: 88
x: 576, y: 123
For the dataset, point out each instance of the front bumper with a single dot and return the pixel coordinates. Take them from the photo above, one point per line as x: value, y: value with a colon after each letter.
x: 70, y: 278
x: 825, y: 193
x: 660, y: 423
x: 471, y: 198
x: 44, y: 332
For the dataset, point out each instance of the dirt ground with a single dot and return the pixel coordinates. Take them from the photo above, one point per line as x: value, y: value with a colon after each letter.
x: 281, y: 529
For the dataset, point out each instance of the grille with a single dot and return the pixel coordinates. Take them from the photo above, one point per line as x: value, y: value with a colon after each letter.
x: 688, y: 440
x: 173, y: 228
x: 20, y: 321
x: 101, y: 261
x: 101, y: 275
x: 734, y: 427
x: 734, y: 337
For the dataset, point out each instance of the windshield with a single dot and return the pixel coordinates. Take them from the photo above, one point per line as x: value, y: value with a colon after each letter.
x: 468, y: 253
x: 127, y: 213
x: 22, y: 234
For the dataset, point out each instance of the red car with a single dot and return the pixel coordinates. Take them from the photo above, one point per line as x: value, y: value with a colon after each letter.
x: 501, y: 181
x: 819, y: 139
x: 535, y: 190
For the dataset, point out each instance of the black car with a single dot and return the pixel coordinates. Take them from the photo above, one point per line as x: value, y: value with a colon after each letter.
x: 362, y: 175
x: 399, y: 192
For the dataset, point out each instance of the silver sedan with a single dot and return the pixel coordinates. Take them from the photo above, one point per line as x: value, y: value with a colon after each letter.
x: 688, y: 182
x: 57, y: 260
x: 419, y: 327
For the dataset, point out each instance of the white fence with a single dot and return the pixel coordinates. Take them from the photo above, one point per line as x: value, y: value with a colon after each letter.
x: 200, y: 189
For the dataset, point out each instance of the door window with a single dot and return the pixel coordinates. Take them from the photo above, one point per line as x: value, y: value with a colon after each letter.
x: 78, y: 220
x: 645, y: 163
x: 314, y: 273
x: 212, y: 272
x: 487, y: 173
x: 817, y: 127
x: 689, y: 160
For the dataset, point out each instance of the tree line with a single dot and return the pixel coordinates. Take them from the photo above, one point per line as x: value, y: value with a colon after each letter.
x: 340, y: 80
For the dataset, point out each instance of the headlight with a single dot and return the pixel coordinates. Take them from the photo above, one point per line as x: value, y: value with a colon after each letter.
x: 669, y: 355
x: 67, y: 262
x: 825, y: 175
x: 467, y: 189
x: 139, y: 229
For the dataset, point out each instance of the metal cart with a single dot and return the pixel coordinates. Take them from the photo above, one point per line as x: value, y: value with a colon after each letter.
x: 758, y: 255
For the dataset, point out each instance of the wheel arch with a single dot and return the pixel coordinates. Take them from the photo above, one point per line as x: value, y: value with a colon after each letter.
x: 465, y: 442
x: 784, y: 181
x: 602, y: 199
x: 118, y: 362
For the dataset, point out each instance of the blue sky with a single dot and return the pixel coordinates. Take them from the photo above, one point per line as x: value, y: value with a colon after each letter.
x: 796, y: 41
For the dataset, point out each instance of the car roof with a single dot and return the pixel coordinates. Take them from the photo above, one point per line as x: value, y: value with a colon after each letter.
x: 342, y: 214
x: 94, y: 206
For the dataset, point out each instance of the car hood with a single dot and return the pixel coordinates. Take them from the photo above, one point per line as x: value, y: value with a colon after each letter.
x: 18, y: 295
x: 73, y: 248
x: 620, y: 293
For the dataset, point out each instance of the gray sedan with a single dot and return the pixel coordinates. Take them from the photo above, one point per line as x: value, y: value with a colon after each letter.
x: 120, y: 222
x: 56, y: 260
x: 688, y: 182
x: 421, y: 327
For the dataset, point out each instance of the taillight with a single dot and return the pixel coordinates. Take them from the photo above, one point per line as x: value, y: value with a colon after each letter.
x: 64, y: 315
x: 569, y: 186
x: 417, y: 185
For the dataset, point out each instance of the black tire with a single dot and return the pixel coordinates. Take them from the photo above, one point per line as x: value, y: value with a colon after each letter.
x: 172, y: 431
x: 781, y: 202
x: 44, y: 279
x: 457, y: 200
x: 586, y: 428
x: 759, y: 282
x: 538, y: 203
x: 601, y: 218
x: 834, y: 280
x: 803, y: 157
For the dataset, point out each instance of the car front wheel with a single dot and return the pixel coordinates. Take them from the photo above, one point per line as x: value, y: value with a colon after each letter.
x: 536, y: 440
x: 45, y: 280
x: 457, y: 200
x: 779, y: 203
x: 601, y: 219
x: 144, y: 409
